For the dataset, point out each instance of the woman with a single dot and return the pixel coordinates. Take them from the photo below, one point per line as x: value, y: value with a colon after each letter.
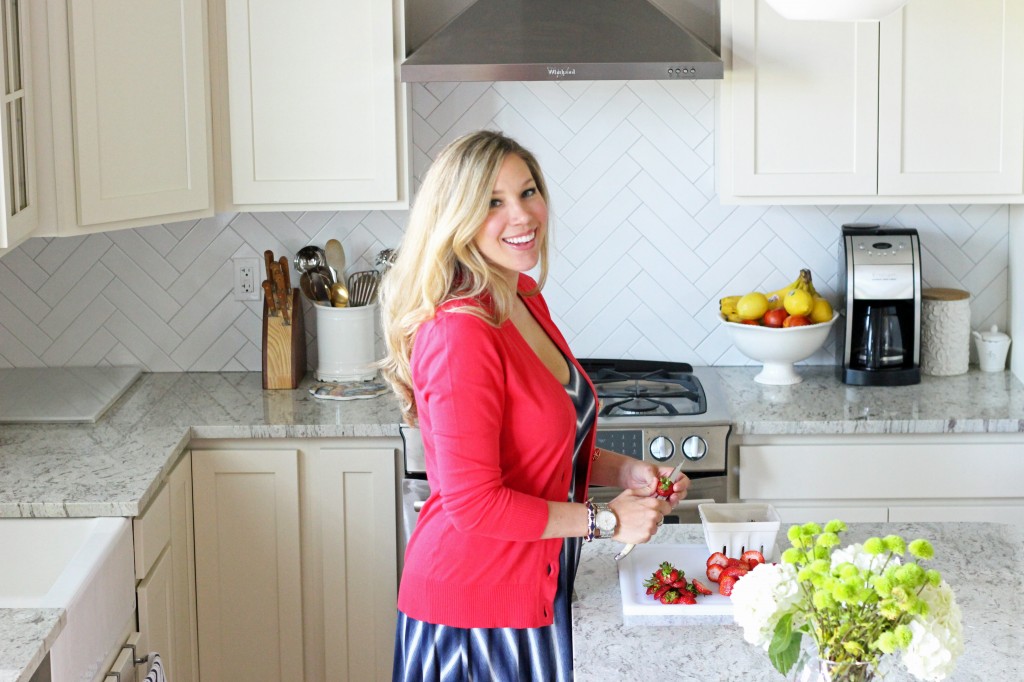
x: 508, y: 424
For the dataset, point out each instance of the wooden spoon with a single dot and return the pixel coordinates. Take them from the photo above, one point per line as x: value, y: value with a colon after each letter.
x: 334, y: 253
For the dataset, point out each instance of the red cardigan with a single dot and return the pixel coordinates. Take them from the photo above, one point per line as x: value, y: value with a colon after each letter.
x: 498, y: 431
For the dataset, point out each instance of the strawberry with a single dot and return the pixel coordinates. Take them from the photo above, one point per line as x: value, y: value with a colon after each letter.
x: 662, y: 591
x: 718, y: 558
x: 670, y: 597
x: 714, y: 572
x: 725, y: 585
x: 752, y: 557
x: 680, y: 584
x: 729, y: 561
x: 667, y: 573
x: 735, y: 571
x: 685, y: 597
x: 699, y: 586
x: 664, y: 487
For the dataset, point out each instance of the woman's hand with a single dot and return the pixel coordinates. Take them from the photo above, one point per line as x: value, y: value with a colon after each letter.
x: 639, y: 516
x: 642, y: 477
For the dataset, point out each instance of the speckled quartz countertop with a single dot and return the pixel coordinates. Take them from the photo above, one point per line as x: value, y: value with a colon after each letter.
x: 975, y: 402
x: 607, y: 646
x: 25, y: 637
x: 114, y: 467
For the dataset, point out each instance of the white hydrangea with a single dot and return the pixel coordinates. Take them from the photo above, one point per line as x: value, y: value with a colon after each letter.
x: 761, y: 598
x: 855, y: 554
x: 938, y: 637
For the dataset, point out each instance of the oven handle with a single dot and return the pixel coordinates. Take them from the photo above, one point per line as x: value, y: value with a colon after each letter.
x: 418, y: 505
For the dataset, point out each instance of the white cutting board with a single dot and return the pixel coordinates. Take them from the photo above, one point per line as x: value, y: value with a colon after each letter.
x: 640, y: 563
x: 61, y: 394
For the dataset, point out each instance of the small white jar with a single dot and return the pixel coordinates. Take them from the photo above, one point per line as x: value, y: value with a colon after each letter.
x: 992, y: 346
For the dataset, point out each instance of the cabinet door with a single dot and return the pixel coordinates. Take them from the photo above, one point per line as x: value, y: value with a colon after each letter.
x: 183, y: 663
x: 351, y: 501
x: 17, y: 168
x: 140, y: 108
x: 824, y: 513
x: 155, y: 595
x: 799, y: 105
x: 1012, y: 514
x: 248, y: 581
x: 312, y: 98
x: 951, y: 105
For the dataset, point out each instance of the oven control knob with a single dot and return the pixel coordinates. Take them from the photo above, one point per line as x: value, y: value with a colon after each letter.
x: 662, y: 449
x: 694, y: 448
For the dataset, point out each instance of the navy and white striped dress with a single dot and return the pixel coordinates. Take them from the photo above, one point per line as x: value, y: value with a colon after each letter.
x: 425, y: 652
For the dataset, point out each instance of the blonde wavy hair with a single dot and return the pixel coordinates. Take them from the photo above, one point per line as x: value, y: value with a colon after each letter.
x: 437, y: 259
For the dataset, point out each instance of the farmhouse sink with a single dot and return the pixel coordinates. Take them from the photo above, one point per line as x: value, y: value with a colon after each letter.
x: 83, y: 566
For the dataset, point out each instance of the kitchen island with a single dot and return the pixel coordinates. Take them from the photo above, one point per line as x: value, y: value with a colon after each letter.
x: 979, y: 561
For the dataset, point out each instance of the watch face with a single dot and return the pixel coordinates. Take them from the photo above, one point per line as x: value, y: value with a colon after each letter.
x: 606, y: 521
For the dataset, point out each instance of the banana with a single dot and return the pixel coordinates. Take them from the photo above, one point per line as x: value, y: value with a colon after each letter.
x: 810, y: 284
x: 775, y: 297
x: 727, y: 305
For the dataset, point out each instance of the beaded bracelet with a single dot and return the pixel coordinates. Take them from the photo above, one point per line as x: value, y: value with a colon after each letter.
x: 597, y: 453
x: 591, y: 521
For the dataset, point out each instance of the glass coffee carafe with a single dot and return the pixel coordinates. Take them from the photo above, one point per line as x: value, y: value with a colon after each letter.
x: 880, y: 345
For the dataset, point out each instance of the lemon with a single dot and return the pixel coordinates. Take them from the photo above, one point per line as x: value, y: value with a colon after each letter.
x: 752, y: 306
x: 822, y: 310
x: 798, y: 302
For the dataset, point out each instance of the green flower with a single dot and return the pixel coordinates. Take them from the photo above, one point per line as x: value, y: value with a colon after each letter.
x: 886, y: 642
x: 809, y: 529
x: 922, y: 549
x: 792, y: 556
x: 895, y: 544
x: 835, y: 526
x: 933, y: 577
x: 874, y: 546
x: 903, y: 636
x: 793, y: 533
x: 827, y: 540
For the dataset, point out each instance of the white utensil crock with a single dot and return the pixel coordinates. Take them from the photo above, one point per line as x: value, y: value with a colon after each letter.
x: 345, y: 343
x: 992, y: 346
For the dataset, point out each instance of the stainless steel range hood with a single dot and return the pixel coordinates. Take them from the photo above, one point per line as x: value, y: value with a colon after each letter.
x: 531, y: 40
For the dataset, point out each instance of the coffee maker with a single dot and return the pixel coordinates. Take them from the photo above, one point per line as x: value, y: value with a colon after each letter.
x: 879, y: 337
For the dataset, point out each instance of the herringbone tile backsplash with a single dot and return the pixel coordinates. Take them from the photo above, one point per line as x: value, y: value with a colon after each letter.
x: 643, y: 248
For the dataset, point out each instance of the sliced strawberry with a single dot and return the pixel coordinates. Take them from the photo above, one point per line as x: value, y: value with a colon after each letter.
x: 714, y: 572
x: 699, y: 586
x: 725, y: 585
x: 753, y: 557
x: 719, y: 559
x: 670, y: 597
x: 680, y: 584
x: 746, y: 565
x: 735, y: 571
x: 660, y: 592
x: 685, y: 597
x: 731, y: 562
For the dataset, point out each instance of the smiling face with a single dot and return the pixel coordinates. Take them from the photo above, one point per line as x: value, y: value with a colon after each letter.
x: 511, y: 235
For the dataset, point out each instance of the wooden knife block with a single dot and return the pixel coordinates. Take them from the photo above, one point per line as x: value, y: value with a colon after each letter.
x: 284, y: 347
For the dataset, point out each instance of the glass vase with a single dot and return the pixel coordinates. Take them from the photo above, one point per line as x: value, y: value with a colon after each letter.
x: 812, y: 668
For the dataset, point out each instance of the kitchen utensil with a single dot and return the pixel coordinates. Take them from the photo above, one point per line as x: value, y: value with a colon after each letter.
x: 339, y: 295
x: 346, y: 343
x: 385, y: 259
x: 334, y: 253
x: 281, y: 292
x: 674, y: 476
x: 881, y: 342
x: 362, y: 287
x: 268, y: 292
x: 315, y: 287
x: 309, y: 257
x: 992, y: 346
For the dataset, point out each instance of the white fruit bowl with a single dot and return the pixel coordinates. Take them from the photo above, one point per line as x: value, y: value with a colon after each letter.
x: 778, y: 348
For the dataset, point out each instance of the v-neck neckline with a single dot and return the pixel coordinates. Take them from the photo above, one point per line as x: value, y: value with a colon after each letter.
x: 547, y: 333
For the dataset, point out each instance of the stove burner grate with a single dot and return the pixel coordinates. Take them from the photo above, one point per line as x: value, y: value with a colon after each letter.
x: 647, y: 391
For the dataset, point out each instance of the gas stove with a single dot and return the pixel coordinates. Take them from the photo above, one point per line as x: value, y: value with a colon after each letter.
x: 660, y: 411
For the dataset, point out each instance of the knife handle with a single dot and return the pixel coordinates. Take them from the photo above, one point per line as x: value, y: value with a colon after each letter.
x: 271, y: 304
x: 287, y: 282
x: 281, y: 292
x: 268, y: 258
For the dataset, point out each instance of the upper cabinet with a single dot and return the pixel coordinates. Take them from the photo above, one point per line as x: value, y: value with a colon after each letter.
x: 18, y: 212
x: 924, y: 106
x: 123, y: 114
x: 315, y: 115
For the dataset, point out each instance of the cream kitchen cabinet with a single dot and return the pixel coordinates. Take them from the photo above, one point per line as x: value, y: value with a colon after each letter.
x: 122, y: 114
x: 310, y: 104
x: 913, y: 109
x: 18, y: 212
x: 296, y: 565
x: 948, y: 477
x: 165, y: 577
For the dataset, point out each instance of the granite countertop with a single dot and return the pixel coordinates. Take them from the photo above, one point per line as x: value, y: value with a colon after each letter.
x: 25, y: 637
x: 971, y: 557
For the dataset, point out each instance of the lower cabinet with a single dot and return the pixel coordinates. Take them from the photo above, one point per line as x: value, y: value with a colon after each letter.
x: 165, y: 575
x: 296, y: 561
x: 951, y: 477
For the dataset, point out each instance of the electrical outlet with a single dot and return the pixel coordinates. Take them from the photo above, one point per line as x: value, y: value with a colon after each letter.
x: 247, y: 279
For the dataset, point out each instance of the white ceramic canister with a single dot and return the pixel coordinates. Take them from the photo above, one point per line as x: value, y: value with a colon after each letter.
x: 992, y: 346
x: 345, y: 343
x: 945, y: 331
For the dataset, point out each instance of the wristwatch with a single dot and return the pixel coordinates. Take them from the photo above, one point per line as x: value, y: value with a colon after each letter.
x: 606, y: 521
